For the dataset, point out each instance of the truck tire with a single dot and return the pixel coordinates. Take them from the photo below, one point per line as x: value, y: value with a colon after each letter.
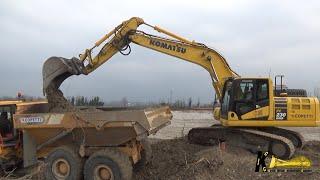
x: 63, y: 163
x: 109, y: 163
x: 146, y: 155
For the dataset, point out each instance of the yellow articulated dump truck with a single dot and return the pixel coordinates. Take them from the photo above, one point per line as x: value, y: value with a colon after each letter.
x: 104, y: 144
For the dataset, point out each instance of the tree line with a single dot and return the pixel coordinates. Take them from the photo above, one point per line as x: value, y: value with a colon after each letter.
x: 85, y: 101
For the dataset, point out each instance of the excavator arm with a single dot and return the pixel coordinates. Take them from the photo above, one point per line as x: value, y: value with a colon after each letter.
x: 57, y: 69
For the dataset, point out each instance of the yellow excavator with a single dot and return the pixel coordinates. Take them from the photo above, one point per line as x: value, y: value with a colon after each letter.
x: 251, y: 109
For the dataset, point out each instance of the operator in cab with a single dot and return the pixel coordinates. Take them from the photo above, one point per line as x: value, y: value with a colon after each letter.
x: 4, y: 124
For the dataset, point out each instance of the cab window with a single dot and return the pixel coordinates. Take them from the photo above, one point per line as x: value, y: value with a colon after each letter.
x: 244, y: 91
x: 262, y: 90
x: 262, y: 95
x: 6, y: 122
x: 226, y: 99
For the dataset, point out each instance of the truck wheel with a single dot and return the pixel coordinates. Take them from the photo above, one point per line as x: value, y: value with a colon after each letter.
x: 146, y: 155
x: 63, y: 163
x: 108, y: 164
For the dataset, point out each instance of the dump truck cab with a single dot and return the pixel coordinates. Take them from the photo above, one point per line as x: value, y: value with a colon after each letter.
x: 10, y: 137
x: 6, y: 121
x: 8, y: 134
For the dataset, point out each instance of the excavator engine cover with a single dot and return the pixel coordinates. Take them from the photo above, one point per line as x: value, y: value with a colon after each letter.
x: 56, y: 69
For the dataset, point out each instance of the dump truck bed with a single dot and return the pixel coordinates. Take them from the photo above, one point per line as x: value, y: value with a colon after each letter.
x: 112, y: 127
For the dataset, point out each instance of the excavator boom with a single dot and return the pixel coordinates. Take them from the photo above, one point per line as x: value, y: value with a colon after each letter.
x: 57, y: 69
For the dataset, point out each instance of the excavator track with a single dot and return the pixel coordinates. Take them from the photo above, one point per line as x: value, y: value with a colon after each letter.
x: 295, y: 137
x: 251, y: 139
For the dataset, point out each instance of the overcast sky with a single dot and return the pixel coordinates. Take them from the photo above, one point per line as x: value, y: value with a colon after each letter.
x: 256, y: 38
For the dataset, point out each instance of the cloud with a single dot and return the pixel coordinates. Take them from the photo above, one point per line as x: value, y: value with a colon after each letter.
x: 254, y: 36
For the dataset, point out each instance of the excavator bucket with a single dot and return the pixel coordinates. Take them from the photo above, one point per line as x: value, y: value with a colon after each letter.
x: 56, y: 69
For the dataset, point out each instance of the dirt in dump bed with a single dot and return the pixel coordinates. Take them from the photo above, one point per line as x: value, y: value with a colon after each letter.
x: 177, y: 159
x: 57, y: 102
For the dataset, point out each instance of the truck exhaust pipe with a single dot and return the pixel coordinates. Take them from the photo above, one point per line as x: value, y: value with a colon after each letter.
x: 56, y: 69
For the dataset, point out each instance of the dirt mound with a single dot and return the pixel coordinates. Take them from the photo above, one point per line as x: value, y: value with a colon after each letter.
x: 174, y: 159
x: 177, y: 159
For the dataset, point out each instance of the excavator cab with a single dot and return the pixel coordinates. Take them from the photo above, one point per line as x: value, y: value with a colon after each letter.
x: 8, y: 135
x: 242, y: 97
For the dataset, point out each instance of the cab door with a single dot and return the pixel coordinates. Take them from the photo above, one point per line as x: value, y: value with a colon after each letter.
x: 244, y: 99
x: 7, y: 131
x: 262, y: 100
x: 226, y: 101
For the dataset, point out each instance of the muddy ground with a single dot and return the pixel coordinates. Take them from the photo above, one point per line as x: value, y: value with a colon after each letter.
x: 177, y: 159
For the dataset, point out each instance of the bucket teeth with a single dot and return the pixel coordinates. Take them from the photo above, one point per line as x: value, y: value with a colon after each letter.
x: 56, y: 69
